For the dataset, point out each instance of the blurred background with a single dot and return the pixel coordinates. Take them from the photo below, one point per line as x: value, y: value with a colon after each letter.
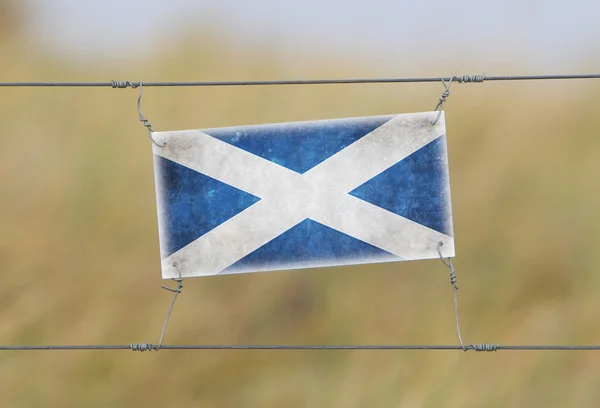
x: 79, y: 252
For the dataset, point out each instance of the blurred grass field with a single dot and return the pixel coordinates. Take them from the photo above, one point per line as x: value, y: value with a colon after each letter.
x: 80, y: 260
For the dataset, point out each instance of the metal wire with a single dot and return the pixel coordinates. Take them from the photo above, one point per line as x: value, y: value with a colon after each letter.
x: 445, y: 96
x: 147, y: 347
x: 455, y: 292
x: 145, y: 122
x: 177, y: 291
x: 459, y: 79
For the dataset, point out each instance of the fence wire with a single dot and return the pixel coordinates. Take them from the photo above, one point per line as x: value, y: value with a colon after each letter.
x: 459, y: 79
x: 153, y: 347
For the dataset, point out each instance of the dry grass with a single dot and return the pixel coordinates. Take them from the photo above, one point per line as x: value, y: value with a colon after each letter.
x: 80, y: 261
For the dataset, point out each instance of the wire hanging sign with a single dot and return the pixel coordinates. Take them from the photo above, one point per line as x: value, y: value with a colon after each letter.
x: 291, y: 196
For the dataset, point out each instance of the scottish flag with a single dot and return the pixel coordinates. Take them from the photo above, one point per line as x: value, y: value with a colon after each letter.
x: 303, y: 195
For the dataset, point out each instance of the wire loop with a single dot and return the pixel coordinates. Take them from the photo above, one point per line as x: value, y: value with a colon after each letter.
x: 443, y: 98
x: 143, y: 119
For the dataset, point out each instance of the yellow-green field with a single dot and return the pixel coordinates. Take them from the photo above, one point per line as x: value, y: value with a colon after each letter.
x: 80, y: 263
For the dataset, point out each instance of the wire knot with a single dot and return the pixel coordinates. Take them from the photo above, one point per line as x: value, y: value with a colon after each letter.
x: 443, y: 98
x: 124, y: 84
x: 141, y: 347
x: 144, y: 121
x: 469, y: 79
x: 483, y: 347
x: 449, y: 265
x: 177, y: 289
x: 147, y: 124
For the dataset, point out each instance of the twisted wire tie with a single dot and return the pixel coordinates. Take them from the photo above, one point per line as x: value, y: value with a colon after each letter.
x: 146, y: 124
x: 177, y: 289
x: 469, y: 79
x: 123, y: 84
x: 443, y: 98
x: 453, y: 278
x: 450, y: 266
x: 483, y: 347
x: 445, y: 95
x: 141, y: 347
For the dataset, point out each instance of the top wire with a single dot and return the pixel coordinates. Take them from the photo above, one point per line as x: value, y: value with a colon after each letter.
x: 459, y: 79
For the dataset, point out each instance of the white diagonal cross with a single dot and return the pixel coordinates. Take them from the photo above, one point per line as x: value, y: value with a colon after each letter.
x: 287, y: 197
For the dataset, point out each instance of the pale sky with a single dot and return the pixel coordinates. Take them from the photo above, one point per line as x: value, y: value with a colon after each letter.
x: 551, y: 34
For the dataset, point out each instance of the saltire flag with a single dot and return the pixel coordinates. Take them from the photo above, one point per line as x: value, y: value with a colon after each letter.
x: 303, y: 195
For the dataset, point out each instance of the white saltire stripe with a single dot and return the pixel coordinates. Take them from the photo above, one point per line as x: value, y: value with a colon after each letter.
x: 287, y: 197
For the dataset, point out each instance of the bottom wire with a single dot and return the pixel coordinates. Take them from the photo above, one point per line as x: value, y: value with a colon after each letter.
x: 149, y: 347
